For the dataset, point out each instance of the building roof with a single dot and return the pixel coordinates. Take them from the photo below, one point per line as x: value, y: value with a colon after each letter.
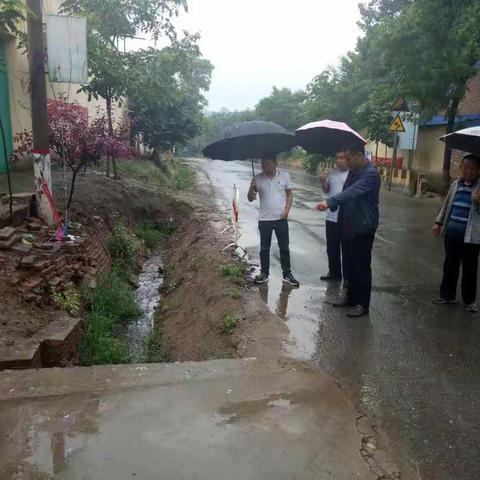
x: 465, y: 121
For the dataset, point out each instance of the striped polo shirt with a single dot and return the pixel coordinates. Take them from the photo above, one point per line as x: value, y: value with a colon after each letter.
x: 462, y: 202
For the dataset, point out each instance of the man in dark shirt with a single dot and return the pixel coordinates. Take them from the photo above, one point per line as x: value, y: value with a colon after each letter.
x: 358, y: 222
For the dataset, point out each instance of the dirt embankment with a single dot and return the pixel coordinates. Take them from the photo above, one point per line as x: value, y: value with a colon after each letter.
x: 209, y: 310
x: 205, y: 313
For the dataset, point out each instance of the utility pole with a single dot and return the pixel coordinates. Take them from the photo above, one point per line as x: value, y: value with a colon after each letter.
x: 41, y: 147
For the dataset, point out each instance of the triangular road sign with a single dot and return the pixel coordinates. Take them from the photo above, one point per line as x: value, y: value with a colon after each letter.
x: 397, y: 125
x: 400, y: 105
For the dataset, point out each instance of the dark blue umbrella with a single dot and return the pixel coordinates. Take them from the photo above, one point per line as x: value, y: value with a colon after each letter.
x: 250, y: 140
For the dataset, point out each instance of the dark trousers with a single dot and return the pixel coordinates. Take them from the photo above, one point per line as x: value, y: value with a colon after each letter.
x: 335, y: 250
x: 457, y: 253
x: 281, y: 232
x: 358, y: 262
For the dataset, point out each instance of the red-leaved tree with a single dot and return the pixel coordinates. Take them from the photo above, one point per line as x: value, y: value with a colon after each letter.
x: 76, y: 143
x: 79, y: 144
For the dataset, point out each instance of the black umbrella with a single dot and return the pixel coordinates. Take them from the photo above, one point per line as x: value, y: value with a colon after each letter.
x: 327, y: 137
x: 249, y: 140
x: 467, y: 140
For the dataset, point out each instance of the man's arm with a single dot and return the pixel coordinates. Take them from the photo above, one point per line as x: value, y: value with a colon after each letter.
x: 252, y: 191
x: 288, y: 204
x: 440, y: 220
x: 366, y: 183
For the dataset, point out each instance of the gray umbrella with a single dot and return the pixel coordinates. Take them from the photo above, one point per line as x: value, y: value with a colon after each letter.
x: 250, y: 140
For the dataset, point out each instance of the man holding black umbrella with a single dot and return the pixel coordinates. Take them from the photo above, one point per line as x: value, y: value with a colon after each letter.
x: 358, y: 221
x: 276, y: 195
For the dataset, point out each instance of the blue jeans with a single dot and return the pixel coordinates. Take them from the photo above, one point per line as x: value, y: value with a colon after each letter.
x: 281, y: 232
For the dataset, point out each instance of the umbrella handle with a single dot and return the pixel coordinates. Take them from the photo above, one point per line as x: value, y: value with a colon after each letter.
x: 253, y: 169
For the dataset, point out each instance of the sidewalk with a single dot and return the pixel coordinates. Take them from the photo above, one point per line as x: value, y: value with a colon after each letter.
x: 219, y: 420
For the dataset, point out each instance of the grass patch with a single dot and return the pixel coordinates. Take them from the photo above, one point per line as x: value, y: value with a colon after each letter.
x: 111, y: 303
x: 144, y: 170
x: 123, y: 246
x: 234, y: 293
x: 156, y: 347
x: 183, y: 176
x: 152, y: 234
x: 174, y: 174
x: 229, y: 324
x: 235, y: 272
x: 70, y: 300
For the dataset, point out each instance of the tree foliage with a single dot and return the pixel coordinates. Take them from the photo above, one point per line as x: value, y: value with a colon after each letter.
x: 79, y: 144
x: 425, y: 50
x: 12, y: 12
x: 166, y: 92
x: 282, y: 106
x: 110, y: 21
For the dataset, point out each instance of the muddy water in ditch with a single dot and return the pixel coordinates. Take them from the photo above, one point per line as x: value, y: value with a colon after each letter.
x: 148, y: 297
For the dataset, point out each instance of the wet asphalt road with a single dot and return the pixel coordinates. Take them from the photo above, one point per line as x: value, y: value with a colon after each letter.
x: 411, y: 366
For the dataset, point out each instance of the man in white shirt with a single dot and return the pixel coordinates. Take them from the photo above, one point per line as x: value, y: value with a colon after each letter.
x: 276, y: 195
x: 333, y: 184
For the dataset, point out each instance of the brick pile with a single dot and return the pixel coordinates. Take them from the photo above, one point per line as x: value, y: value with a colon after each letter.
x: 43, y: 264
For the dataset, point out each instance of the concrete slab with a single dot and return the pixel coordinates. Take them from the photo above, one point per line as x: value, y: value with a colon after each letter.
x: 219, y: 420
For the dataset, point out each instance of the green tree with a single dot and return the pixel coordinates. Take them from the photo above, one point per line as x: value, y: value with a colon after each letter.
x: 282, y: 106
x: 433, y: 48
x: 110, y: 22
x: 12, y: 12
x: 166, y: 93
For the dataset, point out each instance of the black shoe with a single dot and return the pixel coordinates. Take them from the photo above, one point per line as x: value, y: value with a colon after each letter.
x: 442, y: 301
x: 259, y: 279
x: 357, y: 311
x: 341, y: 302
x: 290, y: 280
x: 345, y: 284
x: 330, y: 277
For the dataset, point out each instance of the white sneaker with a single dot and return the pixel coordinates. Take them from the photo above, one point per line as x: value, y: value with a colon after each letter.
x: 471, y: 307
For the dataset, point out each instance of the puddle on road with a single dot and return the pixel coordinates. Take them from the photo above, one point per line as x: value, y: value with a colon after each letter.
x: 148, y: 297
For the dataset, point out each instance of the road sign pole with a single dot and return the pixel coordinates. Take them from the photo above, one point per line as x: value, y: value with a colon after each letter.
x: 394, y: 160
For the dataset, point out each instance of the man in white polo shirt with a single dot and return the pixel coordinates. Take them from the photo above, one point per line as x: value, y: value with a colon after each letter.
x: 332, y: 184
x: 276, y: 195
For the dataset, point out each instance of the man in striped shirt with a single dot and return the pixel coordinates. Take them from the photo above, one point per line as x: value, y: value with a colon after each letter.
x: 459, y: 220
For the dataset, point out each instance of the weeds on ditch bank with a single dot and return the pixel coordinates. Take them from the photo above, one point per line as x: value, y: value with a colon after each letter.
x: 123, y: 246
x: 111, y: 303
x: 235, y: 272
x: 156, y: 347
x: 152, y: 234
x: 175, y: 174
x: 70, y: 300
x: 229, y: 323
x: 234, y: 293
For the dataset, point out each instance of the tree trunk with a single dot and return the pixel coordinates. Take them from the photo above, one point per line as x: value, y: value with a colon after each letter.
x: 447, y: 158
x: 376, y: 152
x: 72, y: 188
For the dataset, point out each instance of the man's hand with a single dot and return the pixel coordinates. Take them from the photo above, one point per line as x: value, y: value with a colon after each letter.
x: 253, y: 185
x: 285, y: 215
x: 436, y: 230
x: 322, y: 206
x: 323, y: 176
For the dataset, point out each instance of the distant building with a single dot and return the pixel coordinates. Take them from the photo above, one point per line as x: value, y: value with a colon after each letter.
x: 428, y: 156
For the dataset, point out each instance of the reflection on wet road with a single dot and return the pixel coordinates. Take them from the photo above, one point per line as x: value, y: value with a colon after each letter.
x: 413, y: 366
